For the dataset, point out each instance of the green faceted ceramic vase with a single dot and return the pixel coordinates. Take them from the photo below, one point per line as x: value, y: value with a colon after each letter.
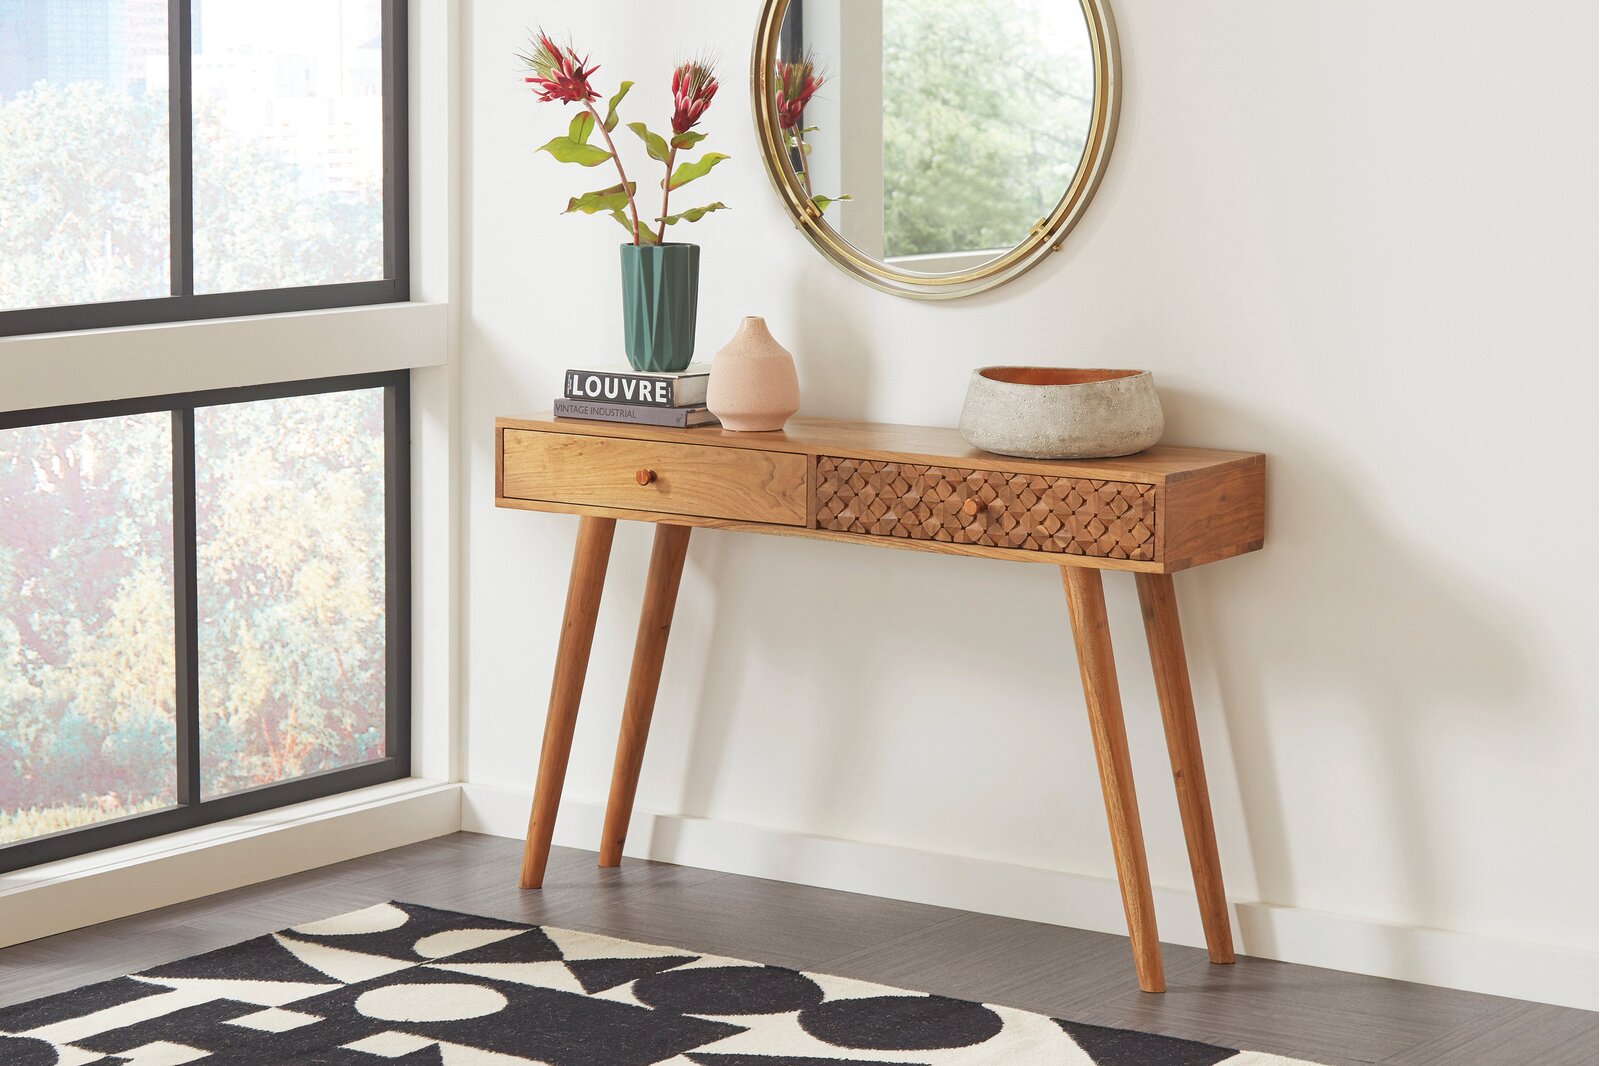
x: 660, y: 296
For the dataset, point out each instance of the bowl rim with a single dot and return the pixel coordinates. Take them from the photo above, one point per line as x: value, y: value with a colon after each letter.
x: 1019, y: 375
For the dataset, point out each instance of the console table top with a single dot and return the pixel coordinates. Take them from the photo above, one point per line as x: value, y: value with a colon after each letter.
x: 936, y: 445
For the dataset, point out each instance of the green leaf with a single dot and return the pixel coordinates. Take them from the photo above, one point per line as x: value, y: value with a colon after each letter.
x: 698, y: 169
x: 823, y: 202
x: 688, y: 139
x: 611, y: 110
x: 653, y: 142
x: 612, y: 199
x: 694, y: 214
x: 567, y: 150
x: 582, y: 126
x: 645, y: 236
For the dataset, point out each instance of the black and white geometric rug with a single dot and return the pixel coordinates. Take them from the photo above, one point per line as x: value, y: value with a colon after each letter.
x: 403, y: 985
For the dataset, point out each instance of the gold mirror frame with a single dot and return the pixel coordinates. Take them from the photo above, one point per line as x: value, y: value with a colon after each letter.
x: 1046, y: 235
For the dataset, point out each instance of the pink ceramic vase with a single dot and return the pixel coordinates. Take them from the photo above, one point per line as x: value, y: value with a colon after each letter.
x: 753, y: 385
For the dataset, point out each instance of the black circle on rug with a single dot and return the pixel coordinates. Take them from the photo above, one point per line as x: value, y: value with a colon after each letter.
x: 901, y: 1023
x: 26, y: 1051
x: 719, y: 990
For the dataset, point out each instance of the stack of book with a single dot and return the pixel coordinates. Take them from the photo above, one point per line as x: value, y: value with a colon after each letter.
x: 640, y: 397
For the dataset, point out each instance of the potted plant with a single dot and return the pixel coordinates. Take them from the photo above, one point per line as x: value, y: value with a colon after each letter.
x: 660, y: 278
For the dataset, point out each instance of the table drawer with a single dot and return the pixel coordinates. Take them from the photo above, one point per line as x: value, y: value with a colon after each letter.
x: 1069, y: 516
x: 688, y: 479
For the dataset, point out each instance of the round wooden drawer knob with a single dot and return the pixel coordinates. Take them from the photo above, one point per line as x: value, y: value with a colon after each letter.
x: 645, y: 477
x: 970, y: 508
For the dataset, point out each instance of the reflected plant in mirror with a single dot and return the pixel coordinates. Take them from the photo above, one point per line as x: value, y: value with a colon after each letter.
x: 969, y: 133
x: 798, y: 81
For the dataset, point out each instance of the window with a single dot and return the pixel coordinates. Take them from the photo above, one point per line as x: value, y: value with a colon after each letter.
x: 164, y: 160
x: 204, y: 609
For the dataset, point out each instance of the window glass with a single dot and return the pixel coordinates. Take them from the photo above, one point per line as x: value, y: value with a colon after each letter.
x: 87, y: 684
x: 290, y: 521
x: 288, y: 143
x: 84, y: 202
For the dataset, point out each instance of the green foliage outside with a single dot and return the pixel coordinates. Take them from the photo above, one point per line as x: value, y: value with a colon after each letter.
x: 292, y: 610
x: 84, y: 213
x: 984, y: 122
x: 290, y: 524
x: 36, y: 822
x: 290, y: 491
x: 86, y: 631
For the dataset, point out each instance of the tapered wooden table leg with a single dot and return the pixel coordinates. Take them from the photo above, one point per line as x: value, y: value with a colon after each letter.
x: 1159, y: 602
x: 1087, y: 604
x: 649, y: 651
x: 572, y: 663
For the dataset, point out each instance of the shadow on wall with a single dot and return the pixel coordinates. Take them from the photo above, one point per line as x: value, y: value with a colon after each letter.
x: 833, y: 358
x: 1372, y: 623
x: 1367, y: 621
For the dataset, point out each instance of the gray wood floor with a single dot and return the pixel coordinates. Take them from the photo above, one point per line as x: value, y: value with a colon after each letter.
x: 1299, y: 1011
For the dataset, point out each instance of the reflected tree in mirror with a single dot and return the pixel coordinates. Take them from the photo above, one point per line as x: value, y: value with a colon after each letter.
x: 983, y: 126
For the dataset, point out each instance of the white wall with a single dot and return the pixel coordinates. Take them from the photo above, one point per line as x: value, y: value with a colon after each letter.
x: 1359, y: 237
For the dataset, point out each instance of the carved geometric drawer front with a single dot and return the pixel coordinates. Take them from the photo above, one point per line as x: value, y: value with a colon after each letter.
x: 1071, y: 516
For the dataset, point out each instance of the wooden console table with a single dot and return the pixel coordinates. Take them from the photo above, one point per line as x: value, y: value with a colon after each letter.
x: 1163, y: 510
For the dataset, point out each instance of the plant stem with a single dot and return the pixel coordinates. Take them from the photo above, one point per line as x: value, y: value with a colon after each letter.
x: 805, y: 164
x: 666, y: 194
x: 633, y: 210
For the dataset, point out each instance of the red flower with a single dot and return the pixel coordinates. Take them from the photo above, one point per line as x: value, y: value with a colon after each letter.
x: 693, y: 85
x: 558, y: 73
x: 798, y: 80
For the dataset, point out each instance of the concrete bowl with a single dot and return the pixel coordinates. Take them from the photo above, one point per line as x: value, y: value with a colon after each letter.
x: 1041, y: 412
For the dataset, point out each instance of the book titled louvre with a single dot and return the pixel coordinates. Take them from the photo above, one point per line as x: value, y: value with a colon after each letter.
x: 686, y: 388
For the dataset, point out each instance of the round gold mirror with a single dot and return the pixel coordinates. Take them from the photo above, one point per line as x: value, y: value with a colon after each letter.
x: 935, y: 148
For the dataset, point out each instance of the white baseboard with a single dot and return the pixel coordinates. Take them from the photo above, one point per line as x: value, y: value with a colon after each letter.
x: 1432, y: 956
x: 115, y: 883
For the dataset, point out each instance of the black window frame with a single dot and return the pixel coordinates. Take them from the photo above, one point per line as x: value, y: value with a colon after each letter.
x: 184, y: 304
x: 192, y: 810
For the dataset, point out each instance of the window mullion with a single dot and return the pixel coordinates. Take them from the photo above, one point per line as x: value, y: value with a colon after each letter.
x: 185, y: 584
x: 180, y: 134
x: 397, y: 571
x: 396, y: 149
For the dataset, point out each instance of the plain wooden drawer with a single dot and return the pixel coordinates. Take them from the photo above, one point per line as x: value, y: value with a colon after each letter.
x: 690, y: 479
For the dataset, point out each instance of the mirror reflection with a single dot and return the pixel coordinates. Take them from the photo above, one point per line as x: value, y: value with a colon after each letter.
x: 934, y: 135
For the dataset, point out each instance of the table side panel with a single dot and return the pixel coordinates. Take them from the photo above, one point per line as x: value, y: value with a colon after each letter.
x: 1214, y: 515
